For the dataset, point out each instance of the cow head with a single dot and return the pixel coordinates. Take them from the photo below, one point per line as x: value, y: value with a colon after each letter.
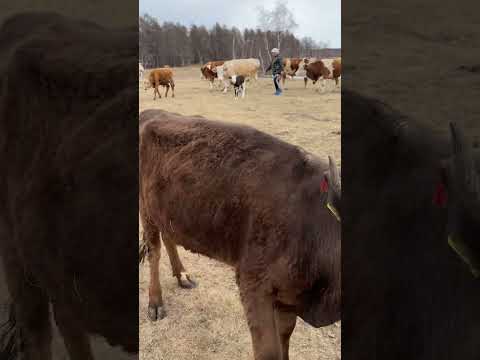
x: 320, y: 303
x: 305, y: 62
x: 326, y: 73
x: 331, y: 184
x: 458, y: 190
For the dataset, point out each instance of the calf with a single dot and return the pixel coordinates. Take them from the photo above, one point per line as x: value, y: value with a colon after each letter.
x: 413, y: 202
x: 315, y: 71
x: 66, y: 182
x: 245, y: 67
x: 238, y: 83
x: 161, y: 76
x: 215, y: 189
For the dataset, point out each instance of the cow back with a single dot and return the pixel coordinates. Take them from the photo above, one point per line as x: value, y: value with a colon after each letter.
x: 233, y: 179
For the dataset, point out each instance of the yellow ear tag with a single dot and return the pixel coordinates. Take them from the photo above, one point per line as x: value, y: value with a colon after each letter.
x: 333, y: 211
x: 464, y: 252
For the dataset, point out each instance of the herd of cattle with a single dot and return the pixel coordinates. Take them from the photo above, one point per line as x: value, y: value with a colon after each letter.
x: 235, y: 72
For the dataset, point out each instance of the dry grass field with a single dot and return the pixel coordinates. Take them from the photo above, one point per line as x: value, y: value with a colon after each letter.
x: 208, y: 322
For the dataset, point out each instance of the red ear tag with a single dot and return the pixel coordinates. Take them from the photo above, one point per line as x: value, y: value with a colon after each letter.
x: 440, y: 196
x: 324, y: 185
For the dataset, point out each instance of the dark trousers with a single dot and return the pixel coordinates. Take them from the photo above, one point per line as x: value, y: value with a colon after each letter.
x: 276, y: 81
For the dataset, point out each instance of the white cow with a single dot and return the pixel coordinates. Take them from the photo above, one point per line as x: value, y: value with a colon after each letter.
x: 245, y: 67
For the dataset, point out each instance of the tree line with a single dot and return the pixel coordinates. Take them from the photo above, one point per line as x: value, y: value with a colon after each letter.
x: 175, y: 45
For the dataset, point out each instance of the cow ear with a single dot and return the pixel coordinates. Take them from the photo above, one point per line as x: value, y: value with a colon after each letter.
x: 440, y: 191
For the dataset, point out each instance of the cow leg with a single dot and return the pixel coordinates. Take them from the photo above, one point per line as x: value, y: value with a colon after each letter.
x: 259, y: 310
x: 157, y: 92
x: 75, y: 338
x: 173, y: 89
x: 30, y: 311
x: 184, y: 279
x: 166, y: 91
x: 285, y: 320
x: 151, y: 236
x: 305, y: 79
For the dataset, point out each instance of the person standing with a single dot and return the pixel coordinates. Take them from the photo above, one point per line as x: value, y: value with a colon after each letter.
x: 277, y: 68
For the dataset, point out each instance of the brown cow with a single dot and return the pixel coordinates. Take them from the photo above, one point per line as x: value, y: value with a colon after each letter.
x: 160, y: 76
x: 315, y: 71
x: 65, y: 172
x: 252, y: 201
x: 209, y: 71
x: 336, y: 69
x: 290, y: 67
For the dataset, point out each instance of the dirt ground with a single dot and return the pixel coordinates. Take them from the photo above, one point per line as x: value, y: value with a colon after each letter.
x: 208, y: 322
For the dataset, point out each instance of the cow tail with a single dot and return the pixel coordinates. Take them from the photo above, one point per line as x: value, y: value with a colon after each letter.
x: 9, y: 336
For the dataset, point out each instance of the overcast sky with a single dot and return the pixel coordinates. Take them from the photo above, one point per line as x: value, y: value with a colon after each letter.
x: 320, y: 20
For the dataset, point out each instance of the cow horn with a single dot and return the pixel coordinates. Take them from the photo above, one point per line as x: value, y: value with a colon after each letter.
x: 335, y: 178
x: 463, y: 159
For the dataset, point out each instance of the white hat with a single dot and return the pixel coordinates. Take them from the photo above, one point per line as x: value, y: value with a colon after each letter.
x: 275, y: 51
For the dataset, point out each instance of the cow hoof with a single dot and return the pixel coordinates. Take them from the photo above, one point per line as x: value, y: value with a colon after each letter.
x: 156, y: 312
x: 186, y: 282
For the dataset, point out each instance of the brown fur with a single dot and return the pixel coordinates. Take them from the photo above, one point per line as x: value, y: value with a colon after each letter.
x: 64, y: 176
x: 290, y: 66
x: 163, y: 77
x: 208, y: 70
x: 247, y: 199
x: 315, y: 71
x: 336, y: 69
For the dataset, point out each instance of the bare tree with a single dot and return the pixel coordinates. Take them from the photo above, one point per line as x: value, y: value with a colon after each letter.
x: 279, y: 20
x: 174, y: 44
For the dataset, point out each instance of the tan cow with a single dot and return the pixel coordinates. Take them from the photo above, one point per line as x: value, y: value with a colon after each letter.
x: 161, y: 76
x: 245, y: 67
